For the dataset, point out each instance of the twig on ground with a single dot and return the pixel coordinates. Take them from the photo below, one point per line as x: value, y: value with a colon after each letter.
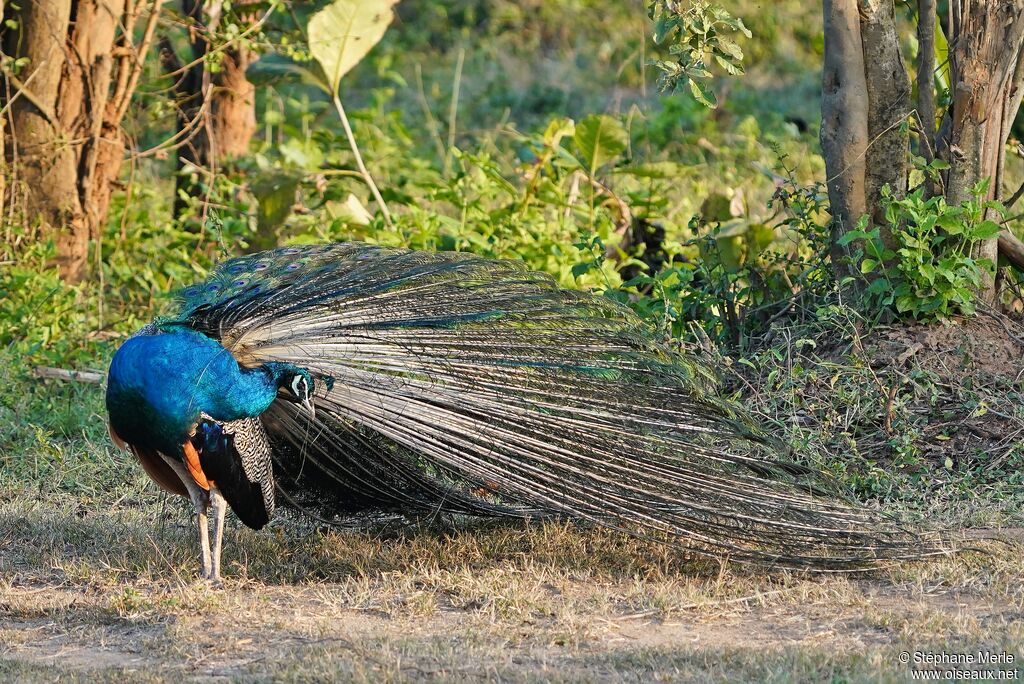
x: 70, y: 375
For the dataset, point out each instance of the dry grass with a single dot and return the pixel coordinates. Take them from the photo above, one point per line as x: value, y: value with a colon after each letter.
x: 98, y: 583
x: 94, y: 593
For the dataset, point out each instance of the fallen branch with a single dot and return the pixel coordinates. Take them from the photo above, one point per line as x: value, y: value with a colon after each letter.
x: 70, y: 375
x: 1012, y: 248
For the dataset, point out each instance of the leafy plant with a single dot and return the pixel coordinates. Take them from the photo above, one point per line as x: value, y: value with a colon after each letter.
x: 928, y: 271
x: 339, y: 37
x: 700, y: 38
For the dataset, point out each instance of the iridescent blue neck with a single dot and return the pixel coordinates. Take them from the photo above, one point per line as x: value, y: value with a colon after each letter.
x: 159, y: 384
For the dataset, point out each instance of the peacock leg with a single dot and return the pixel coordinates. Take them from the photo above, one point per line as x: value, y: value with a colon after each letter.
x: 201, y: 501
x: 219, y: 506
x: 204, y: 538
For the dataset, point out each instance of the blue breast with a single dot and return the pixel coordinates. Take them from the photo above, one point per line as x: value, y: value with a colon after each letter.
x: 158, y: 385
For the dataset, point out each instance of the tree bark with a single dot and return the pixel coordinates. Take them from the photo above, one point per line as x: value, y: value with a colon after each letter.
x: 233, y: 105
x: 986, y: 78
x: 217, y: 108
x: 1012, y: 249
x: 844, y: 121
x: 47, y: 169
x: 67, y: 109
x: 926, y: 76
x: 888, y: 91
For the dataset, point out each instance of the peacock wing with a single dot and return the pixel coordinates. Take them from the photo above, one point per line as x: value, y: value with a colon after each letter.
x: 235, y: 455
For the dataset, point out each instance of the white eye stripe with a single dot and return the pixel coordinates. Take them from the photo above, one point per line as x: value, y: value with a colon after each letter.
x: 299, y: 387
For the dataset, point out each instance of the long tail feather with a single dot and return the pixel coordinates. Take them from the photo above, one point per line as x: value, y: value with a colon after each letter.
x: 465, y: 385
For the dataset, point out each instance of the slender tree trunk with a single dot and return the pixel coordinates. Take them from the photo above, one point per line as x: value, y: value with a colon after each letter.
x: 844, y: 117
x: 217, y: 108
x: 47, y: 162
x: 888, y: 91
x: 67, y: 105
x: 233, y: 105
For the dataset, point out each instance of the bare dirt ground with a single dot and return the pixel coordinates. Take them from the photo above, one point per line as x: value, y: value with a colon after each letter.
x: 88, y: 594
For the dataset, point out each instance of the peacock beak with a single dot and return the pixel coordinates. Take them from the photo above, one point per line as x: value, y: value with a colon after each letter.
x: 308, y: 404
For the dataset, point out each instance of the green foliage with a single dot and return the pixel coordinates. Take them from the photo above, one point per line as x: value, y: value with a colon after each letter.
x: 738, y: 272
x: 700, y: 37
x: 928, y: 272
x: 600, y: 140
x: 342, y: 33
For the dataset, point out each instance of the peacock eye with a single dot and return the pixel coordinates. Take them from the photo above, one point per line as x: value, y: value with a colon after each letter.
x: 299, y: 387
x: 292, y: 267
x: 213, y: 288
x: 240, y: 282
x: 261, y: 266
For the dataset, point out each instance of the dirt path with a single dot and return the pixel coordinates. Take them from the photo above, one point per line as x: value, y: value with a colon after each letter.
x: 251, y: 632
x: 95, y: 595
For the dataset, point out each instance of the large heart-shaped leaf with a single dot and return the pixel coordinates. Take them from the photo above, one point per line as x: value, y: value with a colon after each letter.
x: 275, y: 194
x: 272, y: 69
x: 343, y: 32
x: 600, y: 139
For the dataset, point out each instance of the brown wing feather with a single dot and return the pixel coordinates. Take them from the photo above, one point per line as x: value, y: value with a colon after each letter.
x: 159, y: 471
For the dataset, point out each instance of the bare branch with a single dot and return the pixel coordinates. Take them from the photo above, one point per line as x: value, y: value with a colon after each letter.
x: 70, y: 375
x: 121, y: 106
x: 1012, y: 249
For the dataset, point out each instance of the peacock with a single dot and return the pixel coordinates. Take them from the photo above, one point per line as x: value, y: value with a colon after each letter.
x: 348, y: 379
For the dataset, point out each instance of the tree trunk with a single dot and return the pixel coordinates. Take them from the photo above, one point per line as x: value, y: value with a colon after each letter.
x: 844, y: 117
x: 233, y: 105
x: 67, y: 105
x: 47, y: 168
x: 866, y: 97
x: 217, y: 108
x: 985, y: 73
x: 888, y: 91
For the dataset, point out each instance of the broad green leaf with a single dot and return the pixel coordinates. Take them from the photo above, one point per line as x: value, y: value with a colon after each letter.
x: 275, y: 194
x: 905, y: 303
x: 980, y: 188
x: 271, y: 69
x: 343, y: 32
x: 558, y: 128
x: 702, y: 94
x: 729, y: 67
x: 716, y: 207
x: 662, y: 169
x: 986, y: 230
x: 877, y: 286
x: 600, y: 139
x: 663, y: 26
x: 730, y: 48
x: 582, y: 268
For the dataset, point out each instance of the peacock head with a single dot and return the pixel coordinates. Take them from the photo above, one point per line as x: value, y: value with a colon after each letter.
x: 296, y: 384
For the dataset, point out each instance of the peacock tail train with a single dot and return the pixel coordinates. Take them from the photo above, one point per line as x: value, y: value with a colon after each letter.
x: 452, y: 383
